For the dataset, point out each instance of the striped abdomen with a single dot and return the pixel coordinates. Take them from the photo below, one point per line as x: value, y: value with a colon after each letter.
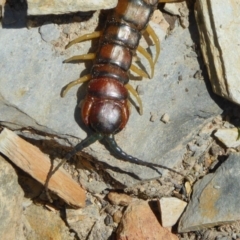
x: 105, y: 108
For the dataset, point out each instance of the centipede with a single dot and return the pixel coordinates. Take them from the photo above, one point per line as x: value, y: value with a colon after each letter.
x: 105, y: 108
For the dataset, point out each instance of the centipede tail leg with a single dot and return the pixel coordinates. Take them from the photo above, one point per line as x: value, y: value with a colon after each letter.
x: 84, y: 143
x: 79, y: 147
x: 118, y: 152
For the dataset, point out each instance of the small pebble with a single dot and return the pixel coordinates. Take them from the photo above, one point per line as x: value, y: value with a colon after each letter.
x: 197, y: 167
x: 198, y: 74
x: 153, y: 117
x: 140, y: 89
x: 108, y: 220
x: 165, y: 118
x: 180, y: 78
x: 117, y: 216
x: 119, y: 199
x: 49, y: 32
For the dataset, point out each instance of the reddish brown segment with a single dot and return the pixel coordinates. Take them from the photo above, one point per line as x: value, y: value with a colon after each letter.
x: 105, y: 107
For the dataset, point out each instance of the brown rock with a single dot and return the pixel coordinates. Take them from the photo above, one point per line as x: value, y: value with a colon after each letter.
x: 117, y: 216
x: 31, y: 160
x: 119, y: 199
x: 140, y: 223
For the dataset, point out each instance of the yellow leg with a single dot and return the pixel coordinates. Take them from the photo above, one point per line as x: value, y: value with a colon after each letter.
x: 148, y: 57
x: 135, y: 94
x: 85, y: 37
x: 73, y: 83
x: 88, y: 56
x: 153, y: 35
x: 138, y: 71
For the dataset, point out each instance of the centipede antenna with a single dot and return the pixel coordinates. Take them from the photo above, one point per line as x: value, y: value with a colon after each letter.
x: 79, y: 147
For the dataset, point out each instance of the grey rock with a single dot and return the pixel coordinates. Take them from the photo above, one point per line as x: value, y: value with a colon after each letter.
x: 64, y: 6
x: 38, y: 7
x: 219, y: 35
x: 228, y: 136
x: 49, y: 32
x: 33, y: 75
x: 11, y: 198
x: 100, y: 231
x: 82, y: 220
x: 215, y: 198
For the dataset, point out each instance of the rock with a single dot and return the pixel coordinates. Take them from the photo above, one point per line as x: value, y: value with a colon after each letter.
x: 38, y: 7
x: 117, y: 216
x: 11, y: 198
x: 43, y: 224
x: 172, y: 8
x: 219, y: 37
x: 49, y: 32
x: 120, y: 199
x: 165, y: 118
x: 212, y: 203
x: 81, y: 221
x: 171, y: 209
x: 179, y: 9
x: 27, y: 157
x: 228, y: 136
x: 140, y: 223
x: 2, y: 3
x: 100, y: 231
x: 33, y: 100
x: 158, y: 18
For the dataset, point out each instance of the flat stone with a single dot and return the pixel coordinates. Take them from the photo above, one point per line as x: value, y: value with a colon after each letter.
x: 119, y: 199
x: 140, y: 223
x: 228, y: 136
x: 215, y: 198
x: 82, y: 220
x: 49, y: 32
x: 219, y: 36
x: 43, y: 224
x: 11, y: 198
x: 40, y: 7
x: 30, y: 97
x: 100, y: 231
x: 171, y: 209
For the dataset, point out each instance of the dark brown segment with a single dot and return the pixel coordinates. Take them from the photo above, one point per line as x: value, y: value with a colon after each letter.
x: 107, y: 88
x: 110, y: 71
x: 115, y: 54
x: 135, y: 12
x: 121, y: 34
